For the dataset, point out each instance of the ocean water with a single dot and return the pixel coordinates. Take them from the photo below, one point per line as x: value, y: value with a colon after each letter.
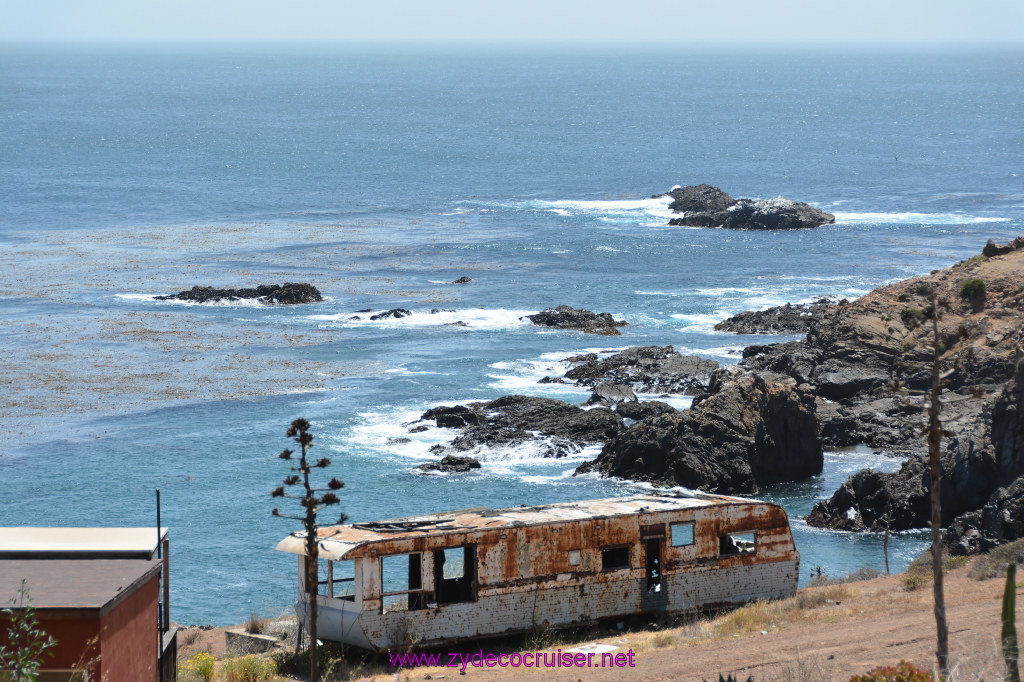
x: 382, y: 173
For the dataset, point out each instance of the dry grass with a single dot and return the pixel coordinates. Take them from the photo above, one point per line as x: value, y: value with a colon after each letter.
x: 256, y: 625
x: 993, y: 564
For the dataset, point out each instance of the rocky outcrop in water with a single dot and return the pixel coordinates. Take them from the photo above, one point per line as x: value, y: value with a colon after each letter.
x: 450, y: 464
x: 646, y: 369
x: 581, y: 319
x: 786, y: 319
x: 289, y: 293
x: 556, y: 428
x: 393, y: 314
x: 708, y: 206
x: 747, y: 431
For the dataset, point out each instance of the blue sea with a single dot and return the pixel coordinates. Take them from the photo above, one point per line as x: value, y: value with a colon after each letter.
x: 381, y: 173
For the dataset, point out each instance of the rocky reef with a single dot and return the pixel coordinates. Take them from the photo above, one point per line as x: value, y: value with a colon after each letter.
x: 708, y: 206
x: 645, y: 369
x: 289, y: 293
x: 581, y: 319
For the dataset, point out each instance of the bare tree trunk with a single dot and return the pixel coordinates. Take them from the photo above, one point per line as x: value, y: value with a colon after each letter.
x: 312, y: 587
x: 934, y: 452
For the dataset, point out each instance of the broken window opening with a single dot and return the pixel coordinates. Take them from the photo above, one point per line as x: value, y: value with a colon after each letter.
x: 341, y: 578
x: 682, y: 534
x: 652, y: 571
x: 455, y: 574
x: 733, y: 544
x: 615, y: 558
x: 401, y: 579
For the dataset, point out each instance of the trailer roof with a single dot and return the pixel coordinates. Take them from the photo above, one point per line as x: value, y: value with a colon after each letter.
x: 337, y: 541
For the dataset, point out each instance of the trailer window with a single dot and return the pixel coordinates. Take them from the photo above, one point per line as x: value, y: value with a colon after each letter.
x: 455, y: 574
x: 732, y: 544
x: 614, y: 558
x: 341, y: 578
x: 402, y: 581
x: 682, y: 534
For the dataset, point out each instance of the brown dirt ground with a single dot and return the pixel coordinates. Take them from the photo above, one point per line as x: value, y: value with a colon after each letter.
x: 860, y: 626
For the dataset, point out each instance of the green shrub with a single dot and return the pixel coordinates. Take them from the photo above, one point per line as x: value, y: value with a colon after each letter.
x: 973, y: 288
x: 912, y: 317
x: 954, y: 562
x: 903, y: 672
x: 915, y: 581
x: 923, y: 289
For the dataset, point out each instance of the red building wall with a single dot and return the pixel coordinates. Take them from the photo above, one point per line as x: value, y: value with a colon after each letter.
x: 74, y: 635
x: 129, y: 639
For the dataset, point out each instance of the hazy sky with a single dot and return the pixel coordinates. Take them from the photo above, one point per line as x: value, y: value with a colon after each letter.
x: 779, y: 21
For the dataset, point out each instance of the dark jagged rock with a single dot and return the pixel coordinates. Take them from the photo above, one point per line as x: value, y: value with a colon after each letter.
x: 647, y: 369
x: 786, y: 319
x: 451, y: 464
x: 393, y: 314
x: 707, y: 206
x: 699, y: 199
x: 643, y: 409
x: 289, y: 293
x: 566, y: 317
x: 992, y: 249
x: 556, y: 427
x: 462, y: 280
x: 746, y: 432
x: 452, y: 417
x: 1000, y: 520
x: 609, y: 393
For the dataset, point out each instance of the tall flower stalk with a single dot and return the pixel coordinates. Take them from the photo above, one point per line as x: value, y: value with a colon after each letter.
x: 313, y: 500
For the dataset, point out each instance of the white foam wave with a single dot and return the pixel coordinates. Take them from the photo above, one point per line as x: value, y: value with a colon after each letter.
x: 473, y: 318
x: 653, y: 211
x: 701, y: 322
x: 908, y: 218
x: 523, y: 375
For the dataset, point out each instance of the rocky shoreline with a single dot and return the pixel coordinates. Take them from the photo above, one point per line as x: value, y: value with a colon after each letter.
x: 858, y: 377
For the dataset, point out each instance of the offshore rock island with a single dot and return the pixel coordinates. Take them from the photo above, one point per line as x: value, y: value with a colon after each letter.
x: 289, y: 293
x: 708, y: 206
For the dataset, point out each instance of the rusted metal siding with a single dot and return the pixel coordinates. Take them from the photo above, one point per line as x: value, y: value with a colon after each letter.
x: 524, y: 578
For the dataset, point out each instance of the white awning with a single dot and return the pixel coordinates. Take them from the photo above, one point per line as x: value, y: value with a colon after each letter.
x: 333, y: 550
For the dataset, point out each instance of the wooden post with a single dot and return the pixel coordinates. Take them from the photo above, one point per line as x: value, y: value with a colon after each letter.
x: 167, y: 584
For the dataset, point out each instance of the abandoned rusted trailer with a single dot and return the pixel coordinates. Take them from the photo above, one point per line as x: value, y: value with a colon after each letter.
x: 427, y: 580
